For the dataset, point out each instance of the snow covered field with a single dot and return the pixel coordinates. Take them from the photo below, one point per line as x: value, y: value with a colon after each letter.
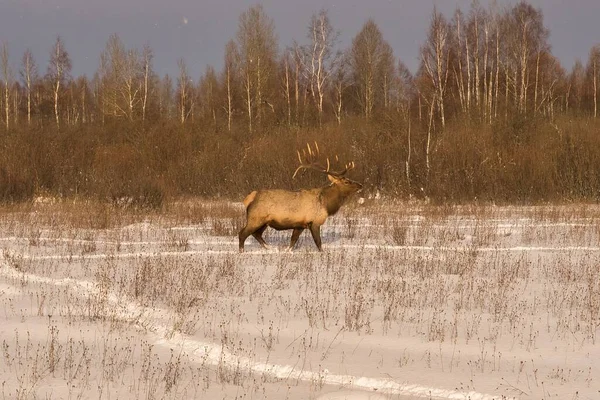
x: 406, y: 302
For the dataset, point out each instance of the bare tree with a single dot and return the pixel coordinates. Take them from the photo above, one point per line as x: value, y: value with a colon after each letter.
x: 528, y: 37
x: 257, y: 51
x: 166, y: 100
x: 76, y: 107
x: 229, y: 79
x: 131, y: 82
x: 301, y: 83
x: 59, y: 70
x: 428, y: 144
x: 387, y: 73
x: 549, y: 87
x: 405, y: 89
x: 474, y: 57
x: 435, y: 59
x: 594, y: 72
x: 476, y: 31
x: 147, y: 57
x: 16, y: 100
x: 496, y: 27
x: 111, y: 65
x: 340, y: 82
x: 575, y: 87
x: 462, y: 61
x: 7, y: 79
x: 126, y: 77
x: 208, y: 89
x: 405, y: 93
x: 83, y: 89
x: 286, y: 77
x: 28, y: 76
x: 184, y: 91
x: 319, y: 58
x: 369, y: 54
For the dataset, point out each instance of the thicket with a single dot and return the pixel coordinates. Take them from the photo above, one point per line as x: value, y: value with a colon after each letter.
x: 526, y: 160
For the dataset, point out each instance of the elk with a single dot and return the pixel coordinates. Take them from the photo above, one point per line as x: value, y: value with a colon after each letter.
x: 301, y: 209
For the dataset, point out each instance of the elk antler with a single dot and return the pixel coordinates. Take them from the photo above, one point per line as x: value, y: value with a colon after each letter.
x: 309, y: 160
x: 347, y: 168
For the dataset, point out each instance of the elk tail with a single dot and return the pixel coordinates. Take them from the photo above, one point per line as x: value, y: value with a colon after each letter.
x: 249, y: 199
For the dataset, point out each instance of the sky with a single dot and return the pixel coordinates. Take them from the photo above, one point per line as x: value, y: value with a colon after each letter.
x: 197, y: 30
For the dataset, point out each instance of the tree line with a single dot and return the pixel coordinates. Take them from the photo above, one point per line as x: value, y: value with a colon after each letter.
x: 478, y: 119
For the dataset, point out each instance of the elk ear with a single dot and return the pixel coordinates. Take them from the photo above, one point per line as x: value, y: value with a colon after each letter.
x: 332, y: 178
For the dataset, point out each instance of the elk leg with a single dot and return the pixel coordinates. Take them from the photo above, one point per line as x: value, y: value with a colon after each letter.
x: 295, y: 236
x: 244, y: 233
x: 315, y: 230
x: 258, y: 236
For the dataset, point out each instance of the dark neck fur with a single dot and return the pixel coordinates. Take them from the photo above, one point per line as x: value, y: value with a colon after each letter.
x: 333, y: 198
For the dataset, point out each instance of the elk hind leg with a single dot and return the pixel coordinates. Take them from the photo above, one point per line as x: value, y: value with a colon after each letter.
x: 243, y: 235
x: 295, y: 236
x: 254, y: 231
x: 258, y: 236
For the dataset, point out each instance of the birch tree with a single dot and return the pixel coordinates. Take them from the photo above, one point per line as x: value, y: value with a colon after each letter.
x: 475, y: 60
x: 405, y: 89
x: 59, y: 72
x: 257, y: 52
x: 369, y: 56
x: 7, y: 81
x: 184, y: 92
x: 229, y: 79
x: 208, y: 89
x: 125, y: 76
x: 83, y: 91
x: 166, y: 100
x: 147, y: 57
x: 341, y: 82
x: 286, y: 83
x: 132, y: 83
x: 477, y: 34
x: 575, y: 87
x: 321, y: 58
x: 29, y: 74
x: 435, y: 54
x: 461, y: 70
x: 528, y: 37
x: 387, y: 72
x: 594, y: 74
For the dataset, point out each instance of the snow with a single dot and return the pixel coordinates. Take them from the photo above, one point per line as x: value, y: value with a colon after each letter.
x: 468, y: 306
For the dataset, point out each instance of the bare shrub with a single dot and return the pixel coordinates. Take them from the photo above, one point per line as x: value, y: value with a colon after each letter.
x: 399, y: 233
x: 15, y: 186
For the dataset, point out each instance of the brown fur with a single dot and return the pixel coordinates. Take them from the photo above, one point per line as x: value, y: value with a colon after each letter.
x: 250, y: 198
x: 297, y: 210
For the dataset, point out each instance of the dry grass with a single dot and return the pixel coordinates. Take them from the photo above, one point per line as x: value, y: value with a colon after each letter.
x: 147, y: 167
x: 435, y: 278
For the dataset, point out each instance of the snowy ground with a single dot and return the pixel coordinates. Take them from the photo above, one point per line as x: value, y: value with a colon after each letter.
x: 405, y: 302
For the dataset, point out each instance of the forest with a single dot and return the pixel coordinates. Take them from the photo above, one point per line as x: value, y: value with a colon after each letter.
x: 489, y: 116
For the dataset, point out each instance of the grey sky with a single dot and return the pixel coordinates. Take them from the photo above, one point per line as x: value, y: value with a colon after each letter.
x: 198, y: 30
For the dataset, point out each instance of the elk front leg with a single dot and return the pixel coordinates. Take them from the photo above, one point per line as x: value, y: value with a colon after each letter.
x: 315, y: 230
x: 295, y: 236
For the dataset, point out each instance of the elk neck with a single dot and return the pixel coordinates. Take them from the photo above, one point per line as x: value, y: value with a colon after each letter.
x: 333, y: 197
